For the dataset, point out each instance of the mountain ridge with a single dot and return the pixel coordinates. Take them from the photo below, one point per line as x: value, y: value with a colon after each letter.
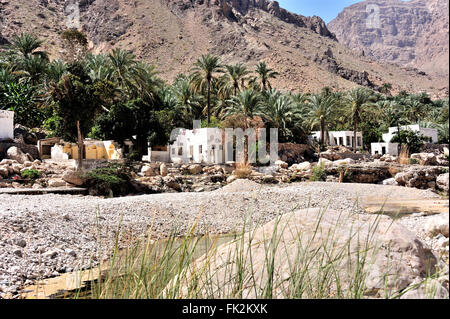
x: 172, y: 34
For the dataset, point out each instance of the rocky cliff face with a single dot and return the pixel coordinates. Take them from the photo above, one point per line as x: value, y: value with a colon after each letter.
x: 172, y: 34
x: 413, y: 33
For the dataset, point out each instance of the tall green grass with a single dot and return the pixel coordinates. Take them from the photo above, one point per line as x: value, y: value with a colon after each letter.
x: 319, y: 266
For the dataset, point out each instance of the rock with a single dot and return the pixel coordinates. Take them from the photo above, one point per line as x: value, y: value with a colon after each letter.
x: 172, y: 183
x: 231, y: 179
x: 301, y: 167
x: 429, y: 289
x: 20, y: 242
x: 330, y: 155
x: 72, y: 177
x: 50, y: 254
x: 346, y: 161
x: 195, y: 169
x: 390, y: 181
x: 18, y: 252
x: 269, y: 179
x: 394, y: 257
x: 418, y: 177
x: 442, y: 182
x: 388, y: 158
x: 442, y: 160
x: 163, y: 170
x: 71, y: 252
x: 437, y: 225
x: 425, y: 158
x: 325, y: 162
x: 281, y: 164
x: 148, y: 171
x: 16, y: 154
x: 56, y: 183
x: 446, y: 152
x: 4, y: 172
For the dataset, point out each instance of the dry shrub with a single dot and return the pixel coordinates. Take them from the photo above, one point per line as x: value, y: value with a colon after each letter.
x: 393, y: 170
x: 243, y: 170
x: 404, y: 155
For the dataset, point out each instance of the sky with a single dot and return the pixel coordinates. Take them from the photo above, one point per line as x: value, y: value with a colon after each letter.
x: 326, y: 9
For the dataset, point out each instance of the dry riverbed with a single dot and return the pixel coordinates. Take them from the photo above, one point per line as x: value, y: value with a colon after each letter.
x: 44, y: 236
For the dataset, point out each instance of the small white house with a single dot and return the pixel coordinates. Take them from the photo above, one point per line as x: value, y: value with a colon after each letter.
x: 427, y: 132
x: 341, y: 138
x: 203, y: 145
x: 6, y: 125
x: 392, y: 148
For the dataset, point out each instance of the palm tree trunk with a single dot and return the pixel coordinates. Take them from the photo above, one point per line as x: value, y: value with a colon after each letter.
x: 355, y: 127
x: 209, y: 101
x: 246, y: 139
x: 80, y: 147
x: 322, y: 132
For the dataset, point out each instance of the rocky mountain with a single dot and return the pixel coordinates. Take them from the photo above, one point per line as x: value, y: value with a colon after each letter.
x: 172, y: 34
x: 410, y: 33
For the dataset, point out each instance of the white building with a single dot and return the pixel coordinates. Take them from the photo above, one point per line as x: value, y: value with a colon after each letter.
x: 203, y: 145
x: 6, y: 125
x: 341, y: 138
x: 392, y: 148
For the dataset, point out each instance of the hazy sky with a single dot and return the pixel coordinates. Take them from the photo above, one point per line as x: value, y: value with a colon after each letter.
x: 326, y: 9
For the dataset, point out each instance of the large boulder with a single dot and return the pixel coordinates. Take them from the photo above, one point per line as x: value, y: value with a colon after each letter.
x: 195, y: 169
x: 425, y: 158
x: 437, y: 225
x: 72, y: 177
x: 419, y: 177
x: 163, y: 170
x: 16, y: 154
x: 372, y: 254
x: 56, y: 182
x: 148, y: 171
x: 301, y: 167
x: 330, y: 155
x: 442, y: 182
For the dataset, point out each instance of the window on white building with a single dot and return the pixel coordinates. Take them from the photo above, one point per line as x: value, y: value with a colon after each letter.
x: 180, y: 151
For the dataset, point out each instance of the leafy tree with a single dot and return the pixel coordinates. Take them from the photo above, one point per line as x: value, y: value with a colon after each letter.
x: 21, y: 97
x: 413, y: 140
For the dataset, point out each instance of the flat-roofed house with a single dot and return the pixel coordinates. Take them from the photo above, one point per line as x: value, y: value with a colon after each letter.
x: 340, y: 138
x: 387, y: 147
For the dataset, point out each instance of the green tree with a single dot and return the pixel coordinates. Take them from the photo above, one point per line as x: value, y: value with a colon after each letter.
x: 203, y: 76
x: 265, y: 74
x: 319, y: 112
x: 357, y: 101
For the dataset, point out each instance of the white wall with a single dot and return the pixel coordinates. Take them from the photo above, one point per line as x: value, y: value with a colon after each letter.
x: 6, y: 125
x: 391, y: 148
x: 427, y: 132
x: 207, y: 138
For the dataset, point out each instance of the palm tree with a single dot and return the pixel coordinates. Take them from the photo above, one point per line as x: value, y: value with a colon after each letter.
x: 203, y: 75
x: 236, y: 75
x: 189, y: 102
x: 123, y: 67
x: 26, y: 45
x: 320, y: 112
x: 248, y: 104
x: 280, y: 112
x: 265, y: 74
x: 356, y: 101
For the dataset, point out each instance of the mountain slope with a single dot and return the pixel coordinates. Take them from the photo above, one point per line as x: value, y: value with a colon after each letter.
x: 413, y: 33
x: 173, y: 33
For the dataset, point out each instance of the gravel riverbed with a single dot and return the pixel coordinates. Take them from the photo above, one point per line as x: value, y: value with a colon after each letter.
x: 43, y: 236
